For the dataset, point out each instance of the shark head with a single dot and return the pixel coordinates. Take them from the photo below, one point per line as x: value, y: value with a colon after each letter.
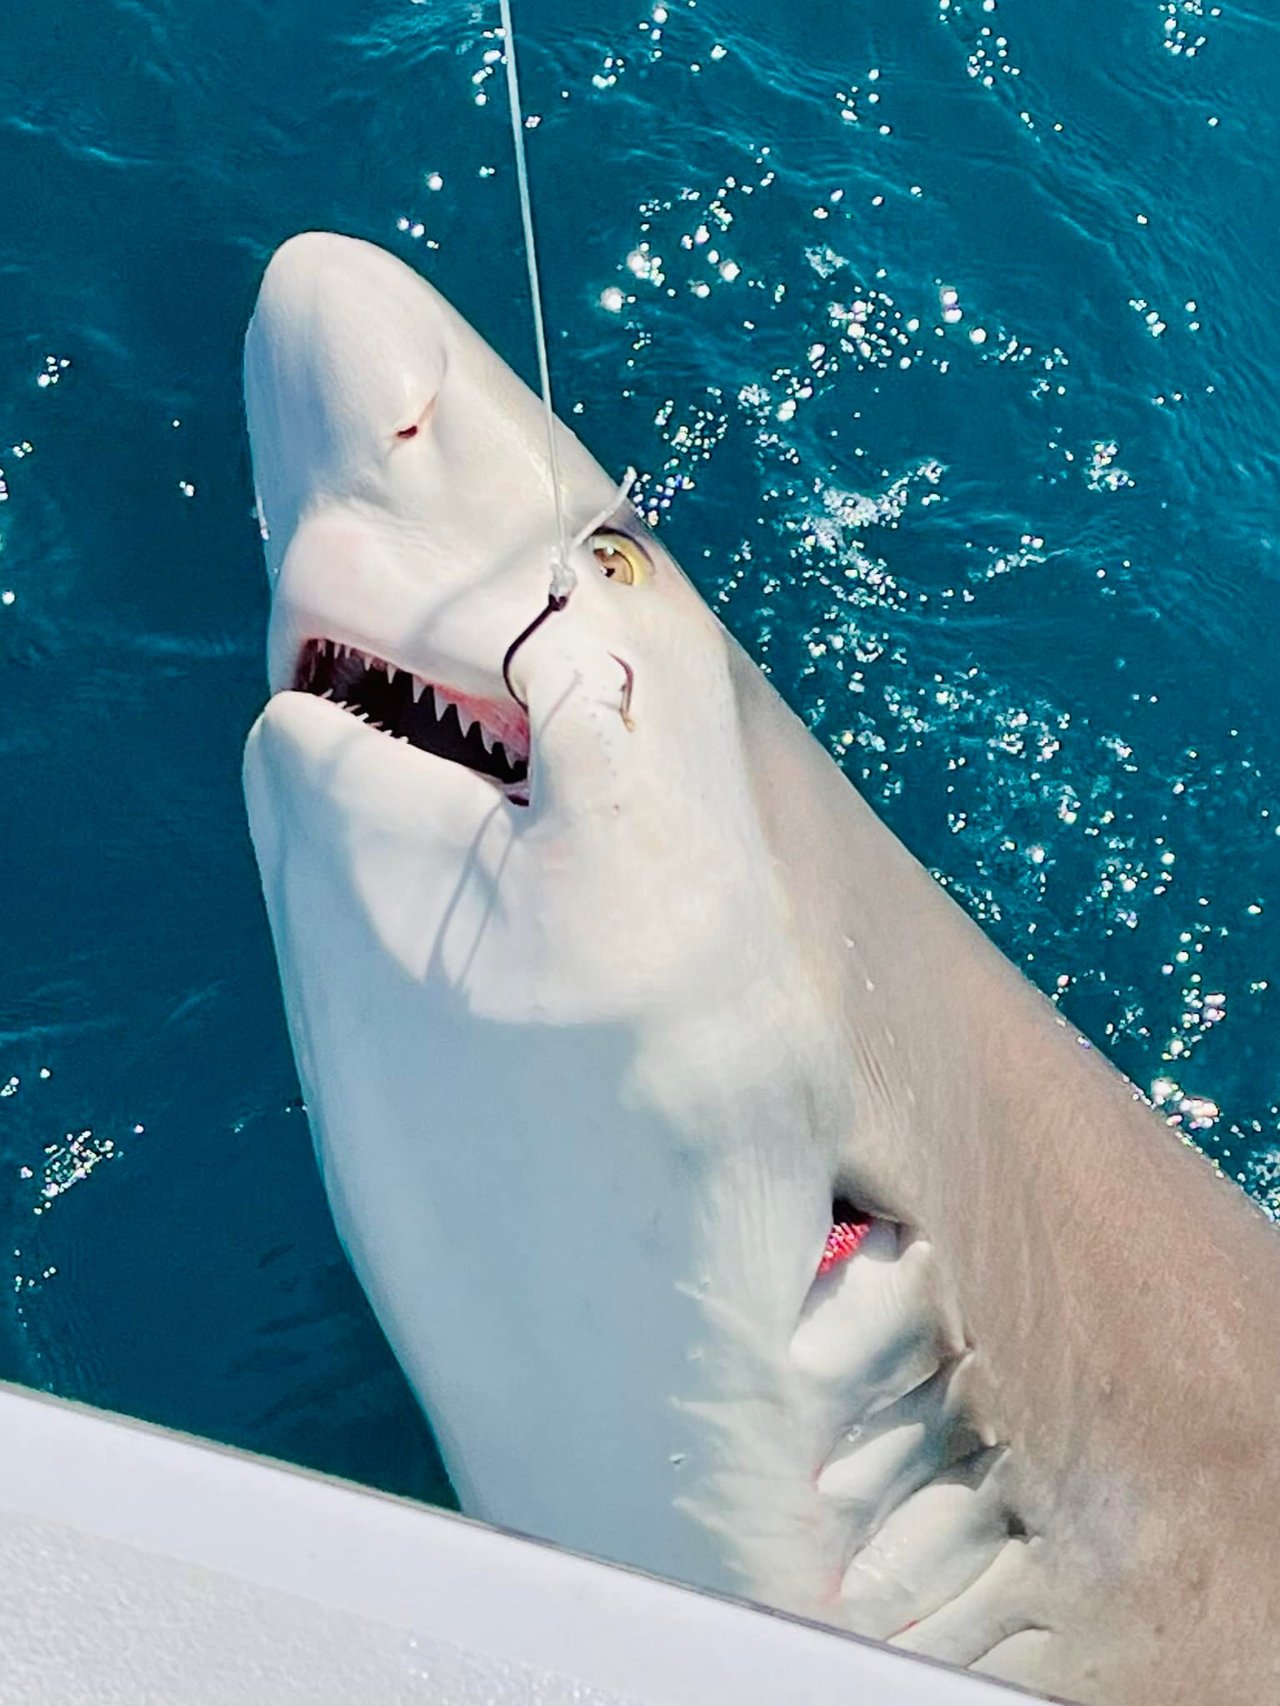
x: 404, y: 492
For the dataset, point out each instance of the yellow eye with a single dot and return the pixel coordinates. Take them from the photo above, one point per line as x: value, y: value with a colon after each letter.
x: 622, y: 558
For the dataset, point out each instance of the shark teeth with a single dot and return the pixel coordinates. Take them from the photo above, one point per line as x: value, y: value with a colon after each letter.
x: 487, y: 736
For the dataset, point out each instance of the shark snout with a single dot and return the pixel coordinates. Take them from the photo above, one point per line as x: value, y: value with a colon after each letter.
x: 330, y: 284
x: 345, y: 365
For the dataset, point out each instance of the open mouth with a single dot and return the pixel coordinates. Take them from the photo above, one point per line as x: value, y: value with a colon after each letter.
x: 490, y: 737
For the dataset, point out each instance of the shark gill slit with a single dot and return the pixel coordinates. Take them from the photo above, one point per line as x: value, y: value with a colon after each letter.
x: 935, y: 1555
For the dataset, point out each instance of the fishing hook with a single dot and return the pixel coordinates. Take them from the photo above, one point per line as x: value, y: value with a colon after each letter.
x: 556, y: 601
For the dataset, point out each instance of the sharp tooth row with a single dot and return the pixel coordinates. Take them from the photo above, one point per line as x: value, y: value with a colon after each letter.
x: 439, y: 698
x: 467, y: 720
x: 340, y: 649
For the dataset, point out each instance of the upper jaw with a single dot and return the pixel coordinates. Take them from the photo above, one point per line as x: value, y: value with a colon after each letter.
x: 341, y: 671
x: 353, y: 577
x: 374, y: 620
x: 487, y: 735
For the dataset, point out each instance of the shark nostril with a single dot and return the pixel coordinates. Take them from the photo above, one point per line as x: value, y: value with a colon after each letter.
x: 412, y: 428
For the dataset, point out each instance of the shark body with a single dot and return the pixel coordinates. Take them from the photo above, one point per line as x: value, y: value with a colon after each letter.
x: 735, y: 1209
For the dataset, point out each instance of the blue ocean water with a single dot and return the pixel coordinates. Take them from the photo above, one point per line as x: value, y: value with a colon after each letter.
x: 944, y: 334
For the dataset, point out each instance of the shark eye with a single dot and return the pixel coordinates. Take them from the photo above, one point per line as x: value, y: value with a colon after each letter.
x: 410, y: 431
x: 622, y: 558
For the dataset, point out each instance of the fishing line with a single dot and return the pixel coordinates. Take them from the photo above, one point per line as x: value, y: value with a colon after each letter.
x: 563, y: 579
x: 611, y: 509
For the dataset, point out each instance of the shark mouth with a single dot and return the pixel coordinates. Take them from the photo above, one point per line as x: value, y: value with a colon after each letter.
x: 487, y: 736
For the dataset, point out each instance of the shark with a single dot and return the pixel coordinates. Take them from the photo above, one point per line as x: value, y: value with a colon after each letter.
x: 734, y: 1208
